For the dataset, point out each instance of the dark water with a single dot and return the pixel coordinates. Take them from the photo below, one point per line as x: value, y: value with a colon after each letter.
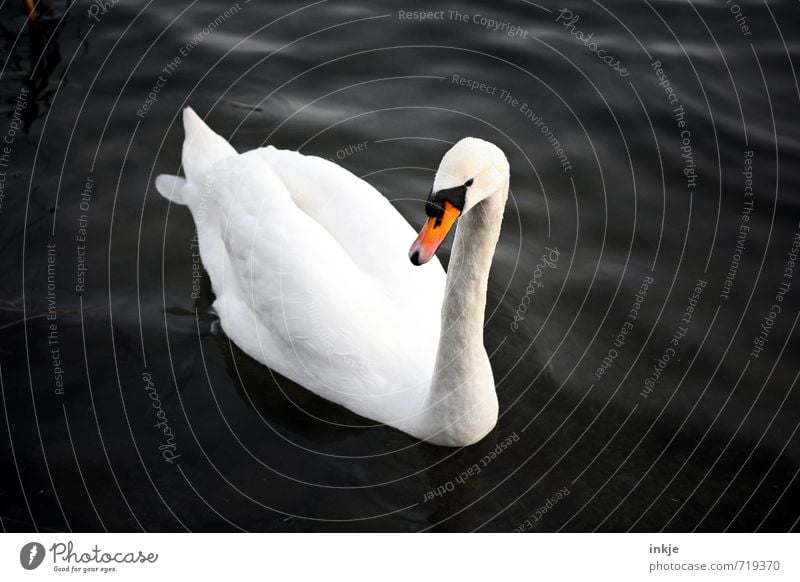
x: 628, y: 176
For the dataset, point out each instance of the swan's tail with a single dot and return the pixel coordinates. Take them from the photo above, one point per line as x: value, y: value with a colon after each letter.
x: 202, y: 148
x: 173, y: 188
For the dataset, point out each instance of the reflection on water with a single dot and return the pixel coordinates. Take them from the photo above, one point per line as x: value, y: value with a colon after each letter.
x: 654, y: 407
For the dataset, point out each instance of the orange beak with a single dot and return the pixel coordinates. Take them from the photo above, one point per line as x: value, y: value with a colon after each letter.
x: 432, y: 235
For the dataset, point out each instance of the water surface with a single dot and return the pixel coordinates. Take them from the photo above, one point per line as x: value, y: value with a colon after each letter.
x: 125, y: 406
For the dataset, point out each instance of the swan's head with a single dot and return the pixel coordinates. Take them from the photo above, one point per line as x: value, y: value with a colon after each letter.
x: 469, y: 173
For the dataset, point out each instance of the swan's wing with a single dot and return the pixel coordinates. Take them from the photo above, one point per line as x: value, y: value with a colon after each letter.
x: 362, y: 221
x: 290, y: 296
x: 366, y: 225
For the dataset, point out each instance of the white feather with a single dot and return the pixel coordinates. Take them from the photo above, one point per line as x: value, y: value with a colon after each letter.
x: 310, y: 269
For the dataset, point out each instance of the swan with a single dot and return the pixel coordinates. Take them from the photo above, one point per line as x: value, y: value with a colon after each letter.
x: 311, y: 272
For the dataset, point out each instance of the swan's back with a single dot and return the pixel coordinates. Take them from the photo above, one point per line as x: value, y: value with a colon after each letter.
x: 309, y: 265
x: 364, y: 222
x: 366, y: 225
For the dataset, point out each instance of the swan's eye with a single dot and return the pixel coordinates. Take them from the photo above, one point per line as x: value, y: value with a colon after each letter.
x: 455, y: 196
x: 468, y: 183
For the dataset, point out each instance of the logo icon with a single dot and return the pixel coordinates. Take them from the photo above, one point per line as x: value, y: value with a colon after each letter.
x: 31, y: 555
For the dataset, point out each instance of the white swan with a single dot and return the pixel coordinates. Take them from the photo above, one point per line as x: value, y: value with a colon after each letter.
x: 311, y: 273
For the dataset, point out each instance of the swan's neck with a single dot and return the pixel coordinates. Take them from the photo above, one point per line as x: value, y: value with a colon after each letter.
x: 462, y: 391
